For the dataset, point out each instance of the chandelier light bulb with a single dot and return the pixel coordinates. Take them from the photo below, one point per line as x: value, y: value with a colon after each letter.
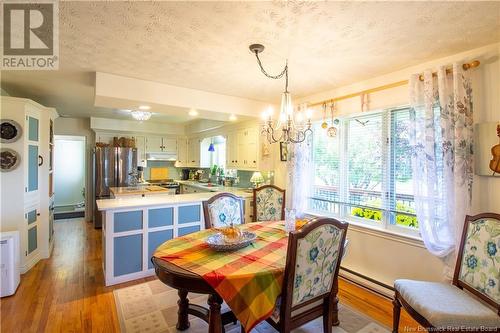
x: 193, y: 113
x: 309, y: 113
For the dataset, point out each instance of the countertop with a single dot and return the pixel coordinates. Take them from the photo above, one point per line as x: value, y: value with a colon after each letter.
x: 244, y: 193
x: 157, y: 200
x: 138, y: 190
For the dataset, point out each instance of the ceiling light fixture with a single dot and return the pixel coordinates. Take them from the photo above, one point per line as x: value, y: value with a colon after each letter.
x: 193, y: 113
x: 141, y: 115
x: 294, y: 129
x: 233, y: 117
x: 144, y: 107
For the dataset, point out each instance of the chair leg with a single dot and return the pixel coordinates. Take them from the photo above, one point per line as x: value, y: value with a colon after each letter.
x: 328, y: 316
x: 396, y: 313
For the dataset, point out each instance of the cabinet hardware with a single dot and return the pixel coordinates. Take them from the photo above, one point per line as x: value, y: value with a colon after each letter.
x: 40, y: 160
x: 37, y: 214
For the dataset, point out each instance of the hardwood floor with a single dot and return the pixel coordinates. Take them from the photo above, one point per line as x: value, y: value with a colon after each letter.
x: 66, y: 293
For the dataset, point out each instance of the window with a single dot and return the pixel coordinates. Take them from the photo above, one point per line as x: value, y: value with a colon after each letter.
x: 364, y: 174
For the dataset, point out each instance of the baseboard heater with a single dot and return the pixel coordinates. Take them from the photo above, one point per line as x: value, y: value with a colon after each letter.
x: 367, y: 282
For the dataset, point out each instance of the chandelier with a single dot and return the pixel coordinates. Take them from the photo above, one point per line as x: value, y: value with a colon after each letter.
x: 141, y: 115
x: 294, y: 127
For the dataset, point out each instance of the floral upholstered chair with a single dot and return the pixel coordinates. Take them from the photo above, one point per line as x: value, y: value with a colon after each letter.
x: 310, y: 277
x: 222, y: 210
x: 443, y: 306
x: 268, y: 203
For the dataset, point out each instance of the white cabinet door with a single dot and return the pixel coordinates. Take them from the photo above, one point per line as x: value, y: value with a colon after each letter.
x: 194, y: 152
x: 140, y: 144
x: 169, y: 145
x: 154, y: 144
x: 252, y: 150
x: 105, y: 138
x: 182, y: 154
x: 231, y: 150
x: 241, y: 152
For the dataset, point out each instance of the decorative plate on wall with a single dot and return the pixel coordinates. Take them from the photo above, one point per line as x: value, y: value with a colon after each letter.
x: 9, y: 159
x: 10, y: 130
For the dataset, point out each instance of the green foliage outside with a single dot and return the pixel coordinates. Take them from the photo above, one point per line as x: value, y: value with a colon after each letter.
x: 376, y: 215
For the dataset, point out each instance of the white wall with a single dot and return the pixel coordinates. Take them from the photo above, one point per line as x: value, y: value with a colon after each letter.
x: 81, y: 127
x: 69, y: 161
x: 387, y: 258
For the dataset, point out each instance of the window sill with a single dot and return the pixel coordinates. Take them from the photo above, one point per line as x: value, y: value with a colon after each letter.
x: 374, y: 231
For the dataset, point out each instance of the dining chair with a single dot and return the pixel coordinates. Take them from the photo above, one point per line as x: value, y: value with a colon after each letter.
x: 310, y: 279
x: 222, y: 210
x: 268, y: 203
x: 448, y: 307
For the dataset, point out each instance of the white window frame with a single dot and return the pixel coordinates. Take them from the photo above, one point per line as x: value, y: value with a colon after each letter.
x: 384, y: 225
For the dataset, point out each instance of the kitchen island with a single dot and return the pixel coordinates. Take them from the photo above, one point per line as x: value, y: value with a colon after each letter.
x: 133, y: 227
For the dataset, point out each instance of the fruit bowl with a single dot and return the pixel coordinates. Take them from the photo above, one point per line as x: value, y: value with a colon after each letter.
x: 220, y: 242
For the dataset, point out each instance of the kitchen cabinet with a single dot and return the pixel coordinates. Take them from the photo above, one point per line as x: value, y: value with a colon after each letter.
x: 105, y: 138
x: 243, y: 149
x: 182, y: 152
x: 26, y: 191
x: 140, y: 144
x: 231, y: 150
x: 156, y: 144
x: 193, y: 150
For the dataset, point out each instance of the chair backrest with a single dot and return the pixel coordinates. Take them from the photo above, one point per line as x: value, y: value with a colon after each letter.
x: 268, y: 203
x: 223, y: 209
x: 312, y: 264
x: 478, y: 262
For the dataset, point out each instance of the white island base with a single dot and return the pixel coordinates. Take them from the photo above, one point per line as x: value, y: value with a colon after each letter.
x: 131, y: 234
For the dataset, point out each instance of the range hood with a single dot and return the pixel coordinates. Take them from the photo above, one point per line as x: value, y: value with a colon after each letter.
x: 161, y: 156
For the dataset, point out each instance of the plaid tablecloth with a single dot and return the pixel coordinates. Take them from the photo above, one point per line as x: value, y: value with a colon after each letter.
x: 249, y: 280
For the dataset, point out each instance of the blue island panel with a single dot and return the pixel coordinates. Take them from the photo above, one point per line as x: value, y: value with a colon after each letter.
x: 188, y: 230
x: 188, y: 214
x: 155, y: 239
x: 127, y: 254
x: 160, y: 217
x: 126, y: 221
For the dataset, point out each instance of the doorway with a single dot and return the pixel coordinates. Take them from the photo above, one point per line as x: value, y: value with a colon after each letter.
x: 69, y: 176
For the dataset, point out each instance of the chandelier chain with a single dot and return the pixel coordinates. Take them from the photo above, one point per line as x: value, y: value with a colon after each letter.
x: 275, y: 77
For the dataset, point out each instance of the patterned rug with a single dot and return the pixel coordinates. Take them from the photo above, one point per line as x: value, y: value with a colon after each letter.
x: 152, y: 307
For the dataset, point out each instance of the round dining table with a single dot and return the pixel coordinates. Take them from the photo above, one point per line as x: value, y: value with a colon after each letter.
x: 270, y: 247
x: 188, y: 282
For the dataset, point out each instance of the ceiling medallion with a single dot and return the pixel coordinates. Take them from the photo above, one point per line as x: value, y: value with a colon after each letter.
x: 294, y: 126
x: 140, y: 115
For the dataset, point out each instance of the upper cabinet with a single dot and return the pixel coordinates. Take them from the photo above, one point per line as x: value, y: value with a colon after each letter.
x: 182, y: 152
x: 193, y: 152
x: 243, y: 150
x: 157, y: 144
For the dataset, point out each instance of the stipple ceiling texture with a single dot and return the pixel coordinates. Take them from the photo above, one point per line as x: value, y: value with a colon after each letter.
x: 204, y: 45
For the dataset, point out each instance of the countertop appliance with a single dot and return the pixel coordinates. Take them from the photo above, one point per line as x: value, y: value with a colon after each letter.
x: 170, y: 184
x: 185, y: 174
x: 113, y: 167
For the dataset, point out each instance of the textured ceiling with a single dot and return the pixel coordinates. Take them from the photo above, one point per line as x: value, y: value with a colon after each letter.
x: 204, y: 45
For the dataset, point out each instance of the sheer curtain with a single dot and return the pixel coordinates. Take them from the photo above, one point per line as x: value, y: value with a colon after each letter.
x: 442, y: 141
x: 299, y: 175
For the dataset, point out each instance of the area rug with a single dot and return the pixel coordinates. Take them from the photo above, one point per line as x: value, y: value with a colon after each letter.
x: 152, y: 307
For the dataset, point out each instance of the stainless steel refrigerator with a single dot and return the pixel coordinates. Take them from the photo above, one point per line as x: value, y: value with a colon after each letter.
x: 112, y: 168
